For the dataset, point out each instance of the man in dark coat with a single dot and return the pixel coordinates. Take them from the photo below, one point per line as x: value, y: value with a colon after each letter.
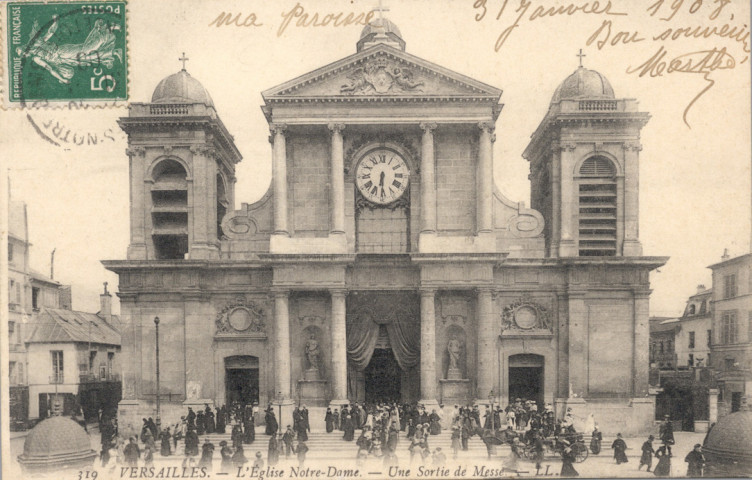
x: 666, y: 433
x: 191, y: 442
x: 153, y: 428
x: 200, y: 425
x: 207, y: 453
x: 306, y: 421
x: 271, y: 422
x: 349, y: 428
x: 647, y: 453
x: 132, y: 453
x: 620, y: 449
x: 696, y: 462
x: 191, y: 418
x: 209, y: 419
x: 220, y: 420
x: 288, y: 438
x: 343, y: 415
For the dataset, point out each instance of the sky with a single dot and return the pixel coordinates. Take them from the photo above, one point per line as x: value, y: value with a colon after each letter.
x: 694, y: 179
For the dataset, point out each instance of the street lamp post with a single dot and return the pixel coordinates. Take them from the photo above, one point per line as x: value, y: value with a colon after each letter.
x: 491, y: 401
x: 156, y: 325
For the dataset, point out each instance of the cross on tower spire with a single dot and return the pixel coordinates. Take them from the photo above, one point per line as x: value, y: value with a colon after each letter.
x: 580, y: 55
x: 381, y: 9
x: 183, y: 59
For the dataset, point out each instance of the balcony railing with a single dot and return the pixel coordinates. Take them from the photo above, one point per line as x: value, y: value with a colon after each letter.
x: 95, y: 377
x: 598, y: 105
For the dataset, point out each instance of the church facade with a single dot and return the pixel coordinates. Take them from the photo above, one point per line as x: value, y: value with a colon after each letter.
x: 383, y: 263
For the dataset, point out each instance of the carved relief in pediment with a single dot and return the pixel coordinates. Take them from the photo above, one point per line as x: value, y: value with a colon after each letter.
x: 381, y: 76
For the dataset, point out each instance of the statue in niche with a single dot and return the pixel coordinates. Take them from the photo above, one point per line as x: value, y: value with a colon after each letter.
x: 454, y: 348
x: 313, y: 353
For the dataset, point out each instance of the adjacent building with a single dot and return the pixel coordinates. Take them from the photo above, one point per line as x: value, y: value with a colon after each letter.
x: 731, y: 352
x: 75, y: 356
x: 28, y: 292
x: 383, y: 248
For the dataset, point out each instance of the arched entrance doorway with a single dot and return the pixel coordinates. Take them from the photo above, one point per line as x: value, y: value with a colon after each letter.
x: 526, y: 377
x: 241, y: 379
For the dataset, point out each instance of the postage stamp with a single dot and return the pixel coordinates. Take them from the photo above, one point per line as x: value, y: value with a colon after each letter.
x: 66, y: 51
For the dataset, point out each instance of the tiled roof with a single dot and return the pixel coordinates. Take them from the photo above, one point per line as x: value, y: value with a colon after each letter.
x: 41, y: 277
x: 60, y: 325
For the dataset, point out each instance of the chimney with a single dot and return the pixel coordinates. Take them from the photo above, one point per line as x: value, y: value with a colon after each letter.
x: 65, y: 297
x: 725, y: 255
x: 105, y: 301
x: 700, y: 289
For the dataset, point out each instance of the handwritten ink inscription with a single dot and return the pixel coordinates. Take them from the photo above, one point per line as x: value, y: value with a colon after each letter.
x: 713, y: 21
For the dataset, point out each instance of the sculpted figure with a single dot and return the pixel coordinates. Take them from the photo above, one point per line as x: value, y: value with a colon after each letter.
x: 454, y: 347
x: 313, y: 352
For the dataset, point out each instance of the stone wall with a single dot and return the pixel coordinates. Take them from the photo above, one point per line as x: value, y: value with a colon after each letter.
x: 308, y: 176
x: 455, y: 180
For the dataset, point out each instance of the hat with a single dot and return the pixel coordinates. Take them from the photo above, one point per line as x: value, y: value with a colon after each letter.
x: 697, y: 445
x: 258, y: 454
x: 618, y: 434
x: 651, y: 437
x: 223, y: 443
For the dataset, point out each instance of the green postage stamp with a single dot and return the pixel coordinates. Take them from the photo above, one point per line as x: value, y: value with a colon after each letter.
x: 66, y: 51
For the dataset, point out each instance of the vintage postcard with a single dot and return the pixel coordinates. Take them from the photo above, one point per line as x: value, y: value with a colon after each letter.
x: 361, y: 239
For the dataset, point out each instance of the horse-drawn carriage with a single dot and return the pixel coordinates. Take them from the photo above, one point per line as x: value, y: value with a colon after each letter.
x: 555, y: 446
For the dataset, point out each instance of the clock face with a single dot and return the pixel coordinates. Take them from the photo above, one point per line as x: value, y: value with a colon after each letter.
x: 382, y: 176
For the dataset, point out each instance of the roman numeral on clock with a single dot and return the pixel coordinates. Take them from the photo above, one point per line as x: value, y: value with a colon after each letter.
x: 396, y: 183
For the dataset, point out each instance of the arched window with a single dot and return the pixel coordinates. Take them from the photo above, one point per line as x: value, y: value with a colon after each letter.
x: 169, y: 196
x: 692, y: 309
x: 597, y: 207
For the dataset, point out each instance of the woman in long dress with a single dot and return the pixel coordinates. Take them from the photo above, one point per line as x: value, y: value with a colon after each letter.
x: 663, y: 468
x: 226, y: 454
x: 568, y: 458
x: 329, y: 420
x: 595, y: 441
x: 349, y: 429
x: 620, y: 449
x: 273, y: 451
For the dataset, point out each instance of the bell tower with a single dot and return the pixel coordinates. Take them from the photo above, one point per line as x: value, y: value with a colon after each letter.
x: 182, y: 172
x: 584, y: 169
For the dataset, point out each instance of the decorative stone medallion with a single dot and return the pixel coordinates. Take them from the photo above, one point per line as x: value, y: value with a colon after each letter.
x: 241, y: 317
x: 525, y: 315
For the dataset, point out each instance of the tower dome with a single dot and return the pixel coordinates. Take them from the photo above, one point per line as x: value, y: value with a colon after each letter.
x: 181, y: 87
x: 381, y: 30
x: 55, y: 443
x: 583, y: 84
x: 727, y: 445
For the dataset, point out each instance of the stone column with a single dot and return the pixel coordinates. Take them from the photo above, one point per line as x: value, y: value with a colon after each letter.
x: 281, y: 344
x: 140, y: 194
x: 428, y: 347
x: 338, y: 180
x: 569, y: 199
x: 631, y: 245
x: 279, y: 173
x: 428, y: 180
x: 486, y: 372
x: 641, y: 353
x: 339, y: 349
x: 485, y: 177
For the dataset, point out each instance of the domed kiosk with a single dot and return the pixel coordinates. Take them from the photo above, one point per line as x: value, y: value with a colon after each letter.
x: 584, y: 84
x: 181, y: 87
x: 727, y: 444
x: 56, y: 443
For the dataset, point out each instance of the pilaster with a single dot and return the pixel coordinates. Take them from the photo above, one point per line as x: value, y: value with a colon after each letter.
x: 485, y: 177
x: 337, y: 179
x: 428, y: 346
x: 487, y: 358
x: 281, y: 344
x: 428, y: 180
x: 339, y: 347
x: 279, y: 174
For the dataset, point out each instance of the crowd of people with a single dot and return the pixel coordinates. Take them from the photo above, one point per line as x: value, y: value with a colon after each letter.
x: 521, y: 425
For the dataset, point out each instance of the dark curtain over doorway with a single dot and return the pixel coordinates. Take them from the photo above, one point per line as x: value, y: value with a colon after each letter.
x: 362, y: 334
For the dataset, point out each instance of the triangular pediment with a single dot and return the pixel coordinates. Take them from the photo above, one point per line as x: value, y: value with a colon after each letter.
x: 381, y: 71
